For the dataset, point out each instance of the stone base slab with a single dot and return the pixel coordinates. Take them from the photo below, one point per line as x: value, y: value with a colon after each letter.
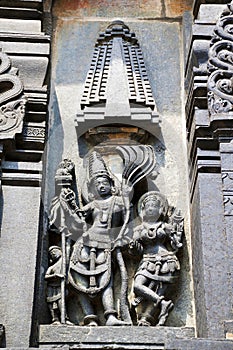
x: 135, y: 338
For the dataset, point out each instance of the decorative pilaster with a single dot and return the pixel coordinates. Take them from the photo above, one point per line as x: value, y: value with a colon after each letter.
x: 25, y: 51
x: 209, y: 123
x: 24, y: 62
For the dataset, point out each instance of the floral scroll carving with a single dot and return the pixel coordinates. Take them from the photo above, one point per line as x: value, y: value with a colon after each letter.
x: 220, y: 65
x: 12, y: 99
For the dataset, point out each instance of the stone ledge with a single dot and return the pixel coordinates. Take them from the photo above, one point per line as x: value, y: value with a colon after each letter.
x: 198, y: 344
x: 111, y: 337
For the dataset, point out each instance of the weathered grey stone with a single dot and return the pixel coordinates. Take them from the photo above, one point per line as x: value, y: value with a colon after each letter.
x: 103, y: 9
x: 19, y: 238
x: 209, y: 243
x: 20, y: 26
x: 23, y: 48
x: 200, y: 344
x: 127, y: 337
x: 209, y: 13
x: 211, y: 232
x: 198, y: 3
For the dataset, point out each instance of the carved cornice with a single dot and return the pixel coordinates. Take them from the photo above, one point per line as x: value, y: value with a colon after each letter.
x: 24, y: 47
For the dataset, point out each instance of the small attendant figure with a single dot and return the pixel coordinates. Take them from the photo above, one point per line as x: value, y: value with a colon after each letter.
x: 53, y: 277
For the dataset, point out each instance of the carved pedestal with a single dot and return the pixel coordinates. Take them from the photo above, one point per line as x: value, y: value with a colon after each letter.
x: 130, y: 338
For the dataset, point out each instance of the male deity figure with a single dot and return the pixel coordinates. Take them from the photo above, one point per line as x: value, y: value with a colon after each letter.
x: 158, y: 242
x: 91, y: 266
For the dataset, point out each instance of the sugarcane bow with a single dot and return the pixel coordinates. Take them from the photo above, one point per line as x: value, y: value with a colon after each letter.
x: 139, y: 162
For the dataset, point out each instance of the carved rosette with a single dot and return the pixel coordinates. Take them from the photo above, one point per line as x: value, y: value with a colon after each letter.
x: 12, y: 99
x: 220, y: 65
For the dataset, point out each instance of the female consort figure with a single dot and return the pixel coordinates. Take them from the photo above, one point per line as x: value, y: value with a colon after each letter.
x: 158, y: 241
x: 90, y: 271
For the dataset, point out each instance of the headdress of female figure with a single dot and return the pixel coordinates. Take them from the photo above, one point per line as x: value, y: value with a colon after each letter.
x: 155, y: 196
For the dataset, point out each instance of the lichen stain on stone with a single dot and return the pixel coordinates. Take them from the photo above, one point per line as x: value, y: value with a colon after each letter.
x: 104, y: 8
x: 71, y: 7
x: 176, y: 8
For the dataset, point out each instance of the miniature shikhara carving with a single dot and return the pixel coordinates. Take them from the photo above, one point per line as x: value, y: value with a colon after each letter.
x: 105, y: 239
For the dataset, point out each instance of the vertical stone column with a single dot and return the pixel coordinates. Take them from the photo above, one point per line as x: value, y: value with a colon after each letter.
x: 226, y: 151
x: 210, y: 228
x: 27, y: 48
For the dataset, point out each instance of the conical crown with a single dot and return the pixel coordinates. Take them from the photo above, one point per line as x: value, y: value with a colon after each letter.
x: 97, y: 166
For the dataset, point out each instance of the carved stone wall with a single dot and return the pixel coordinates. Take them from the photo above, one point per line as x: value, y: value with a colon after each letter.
x: 208, y: 121
x: 25, y: 54
x: 37, y: 133
x: 84, y: 81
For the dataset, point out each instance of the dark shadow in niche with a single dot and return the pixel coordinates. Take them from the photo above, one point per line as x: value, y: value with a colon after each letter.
x: 108, y: 136
x: 2, y: 336
x: 105, y: 139
x: 52, y: 157
x: 1, y: 209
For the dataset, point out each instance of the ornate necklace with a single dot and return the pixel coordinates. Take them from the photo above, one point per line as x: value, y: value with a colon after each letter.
x: 151, y: 230
x: 106, y: 209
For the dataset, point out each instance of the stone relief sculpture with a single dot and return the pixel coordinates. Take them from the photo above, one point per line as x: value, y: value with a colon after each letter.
x: 12, y: 99
x: 90, y: 271
x: 157, y: 241
x: 220, y: 65
x: 54, y: 275
x: 93, y: 265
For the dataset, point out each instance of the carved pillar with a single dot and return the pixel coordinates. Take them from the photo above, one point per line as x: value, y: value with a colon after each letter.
x: 25, y: 51
x: 209, y: 130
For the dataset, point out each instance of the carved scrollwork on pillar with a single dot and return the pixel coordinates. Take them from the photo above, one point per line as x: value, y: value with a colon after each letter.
x: 220, y: 65
x: 12, y: 99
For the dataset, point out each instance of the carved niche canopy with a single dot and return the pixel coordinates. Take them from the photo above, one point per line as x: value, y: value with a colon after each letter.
x: 12, y: 99
x: 220, y: 65
x: 117, y: 88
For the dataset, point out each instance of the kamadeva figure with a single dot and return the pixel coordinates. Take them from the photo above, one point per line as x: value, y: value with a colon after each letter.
x: 91, y: 260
